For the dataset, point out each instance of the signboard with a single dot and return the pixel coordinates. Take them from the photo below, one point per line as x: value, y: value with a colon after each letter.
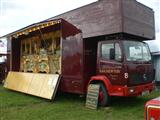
x: 92, y: 96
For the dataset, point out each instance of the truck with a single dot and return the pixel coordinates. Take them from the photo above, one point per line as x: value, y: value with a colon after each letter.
x: 100, y: 43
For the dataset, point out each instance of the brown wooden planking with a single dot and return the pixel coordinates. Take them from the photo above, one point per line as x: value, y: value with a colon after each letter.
x: 138, y: 19
x: 113, y: 16
x: 96, y: 19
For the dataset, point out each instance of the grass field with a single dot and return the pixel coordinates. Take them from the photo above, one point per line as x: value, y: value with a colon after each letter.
x: 18, y: 106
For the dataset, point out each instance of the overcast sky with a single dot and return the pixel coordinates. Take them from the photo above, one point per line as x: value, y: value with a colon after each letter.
x: 15, y: 14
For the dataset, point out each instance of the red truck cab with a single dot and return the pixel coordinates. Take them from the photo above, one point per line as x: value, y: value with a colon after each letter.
x: 124, y: 68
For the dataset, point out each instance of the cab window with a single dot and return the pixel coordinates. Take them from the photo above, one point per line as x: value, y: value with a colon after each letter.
x: 111, y: 51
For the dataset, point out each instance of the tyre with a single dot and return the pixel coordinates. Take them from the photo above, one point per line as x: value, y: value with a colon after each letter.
x: 104, y: 98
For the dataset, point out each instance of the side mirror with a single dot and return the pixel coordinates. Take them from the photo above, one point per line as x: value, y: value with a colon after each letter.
x: 112, y: 54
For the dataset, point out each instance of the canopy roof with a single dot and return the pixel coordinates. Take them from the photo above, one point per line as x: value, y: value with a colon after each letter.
x: 44, y: 25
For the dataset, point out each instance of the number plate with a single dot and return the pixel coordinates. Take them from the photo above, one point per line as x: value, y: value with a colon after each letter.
x: 145, y: 92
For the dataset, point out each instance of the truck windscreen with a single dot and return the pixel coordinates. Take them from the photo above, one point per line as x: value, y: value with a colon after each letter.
x: 137, y: 51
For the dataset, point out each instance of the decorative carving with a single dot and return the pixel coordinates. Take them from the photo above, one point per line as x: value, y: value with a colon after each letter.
x: 29, y: 63
x: 41, y: 55
x: 43, y: 62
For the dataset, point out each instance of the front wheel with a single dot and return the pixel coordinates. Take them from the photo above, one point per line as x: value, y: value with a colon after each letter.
x: 104, y: 97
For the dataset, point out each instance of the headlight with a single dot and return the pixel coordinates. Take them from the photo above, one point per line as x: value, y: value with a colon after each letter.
x: 152, y: 118
x: 131, y: 90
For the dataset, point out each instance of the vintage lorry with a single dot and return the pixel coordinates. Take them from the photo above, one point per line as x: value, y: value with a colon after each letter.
x: 101, y: 43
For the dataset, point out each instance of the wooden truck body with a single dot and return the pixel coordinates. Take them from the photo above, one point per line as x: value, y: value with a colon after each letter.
x: 104, y: 48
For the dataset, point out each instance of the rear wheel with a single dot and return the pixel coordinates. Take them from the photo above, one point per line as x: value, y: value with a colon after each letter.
x: 104, y: 98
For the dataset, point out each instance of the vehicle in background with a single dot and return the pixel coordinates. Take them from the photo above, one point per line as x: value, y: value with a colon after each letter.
x: 152, y: 109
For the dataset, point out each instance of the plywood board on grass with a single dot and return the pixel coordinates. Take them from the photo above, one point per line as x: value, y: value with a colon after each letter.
x: 37, y: 84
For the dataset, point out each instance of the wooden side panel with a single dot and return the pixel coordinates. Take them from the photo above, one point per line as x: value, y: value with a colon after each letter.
x: 106, y: 17
x: 72, y: 64
x: 22, y: 81
x: 36, y: 84
x: 138, y: 19
x: 52, y: 86
x: 41, y: 85
x: 99, y: 18
x: 10, y: 82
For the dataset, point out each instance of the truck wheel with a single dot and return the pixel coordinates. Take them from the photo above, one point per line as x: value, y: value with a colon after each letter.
x: 104, y: 98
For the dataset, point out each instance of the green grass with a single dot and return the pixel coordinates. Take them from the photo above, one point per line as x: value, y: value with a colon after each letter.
x: 18, y: 106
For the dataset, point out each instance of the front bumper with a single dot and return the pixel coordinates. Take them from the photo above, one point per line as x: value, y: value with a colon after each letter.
x: 138, y: 90
x: 131, y: 91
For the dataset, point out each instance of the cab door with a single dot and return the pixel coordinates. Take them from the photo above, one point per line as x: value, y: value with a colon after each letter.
x: 110, y: 59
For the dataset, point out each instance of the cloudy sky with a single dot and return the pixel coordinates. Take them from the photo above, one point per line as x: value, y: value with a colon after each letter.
x: 15, y: 14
